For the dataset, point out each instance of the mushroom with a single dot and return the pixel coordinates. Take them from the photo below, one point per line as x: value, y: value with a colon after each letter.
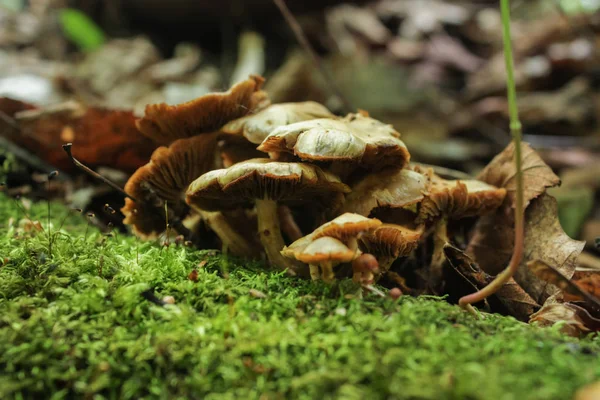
x: 266, y: 182
x: 164, y: 123
x: 454, y: 199
x: 388, y: 242
x: 325, y: 252
x: 163, y: 181
x: 353, y: 139
x: 391, y: 188
x: 364, y: 269
x: 348, y: 228
x: 256, y: 127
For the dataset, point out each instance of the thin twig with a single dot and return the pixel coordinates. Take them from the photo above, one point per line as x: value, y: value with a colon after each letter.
x: 302, y: 39
x: 515, y: 128
x: 88, y: 170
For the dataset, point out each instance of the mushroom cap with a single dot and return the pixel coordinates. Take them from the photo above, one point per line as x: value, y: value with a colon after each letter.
x: 164, y: 123
x: 391, y: 188
x: 459, y: 199
x: 355, y: 138
x: 346, y: 226
x: 391, y: 240
x: 325, y: 249
x: 262, y: 178
x: 256, y: 127
x: 165, y: 178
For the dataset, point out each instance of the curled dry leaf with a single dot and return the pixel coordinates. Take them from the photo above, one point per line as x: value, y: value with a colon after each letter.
x: 537, y: 176
x: 576, y: 320
x: 571, y: 290
x: 493, y: 239
x: 510, y: 299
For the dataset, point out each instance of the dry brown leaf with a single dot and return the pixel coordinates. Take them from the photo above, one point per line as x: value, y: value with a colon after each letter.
x: 511, y: 298
x: 588, y: 281
x: 588, y: 392
x: 571, y: 291
x: 547, y: 241
x: 576, y: 320
x: 100, y: 137
x: 537, y: 176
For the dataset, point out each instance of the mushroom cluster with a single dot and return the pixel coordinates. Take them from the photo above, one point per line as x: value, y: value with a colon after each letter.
x: 257, y: 175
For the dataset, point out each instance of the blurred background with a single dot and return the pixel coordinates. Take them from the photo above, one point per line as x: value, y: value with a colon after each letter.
x: 81, y: 71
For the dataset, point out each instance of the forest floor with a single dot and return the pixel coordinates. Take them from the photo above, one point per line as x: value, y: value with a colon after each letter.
x: 81, y: 321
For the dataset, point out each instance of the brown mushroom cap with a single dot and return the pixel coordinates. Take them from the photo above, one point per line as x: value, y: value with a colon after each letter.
x: 459, y: 199
x: 164, y: 123
x: 390, y: 188
x: 355, y: 138
x: 325, y: 249
x: 346, y: 226
x: 260, y: 178
x: 165, y: 178
x: 256, y: 127
x: 391, y: 240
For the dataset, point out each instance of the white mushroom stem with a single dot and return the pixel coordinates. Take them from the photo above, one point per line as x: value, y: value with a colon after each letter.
x: 352, y: 243
x: 315, y: 275
x: 230, y: 238
x: 270, y: 234
x: 327, y: 271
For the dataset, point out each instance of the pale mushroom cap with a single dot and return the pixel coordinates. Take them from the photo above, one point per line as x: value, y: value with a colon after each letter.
x: 391, y: 240
x: 164, y: 123
x: 261, y: 178
x: 325, y: 249
x: 355, y: 138
x: 256, y: 127
x: 459, y: 199
x: 394, y: 189
x: 346, y: 226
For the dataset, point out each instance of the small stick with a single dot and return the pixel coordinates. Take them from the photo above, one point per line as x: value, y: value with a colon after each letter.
x: 89, y: 171
x: 374, y: 290
x: 301, y: 37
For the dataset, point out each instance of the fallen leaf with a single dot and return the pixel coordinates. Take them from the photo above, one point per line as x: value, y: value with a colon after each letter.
x: 546, y: 240
x: 587, y: 281
x: 537, y: 176
x: 510, y: 299
x: 576, y: 320
x: 571, y: 290
x: 493, y: 239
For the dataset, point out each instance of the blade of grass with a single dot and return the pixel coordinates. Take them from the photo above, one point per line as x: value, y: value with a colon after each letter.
x: 515, y: 129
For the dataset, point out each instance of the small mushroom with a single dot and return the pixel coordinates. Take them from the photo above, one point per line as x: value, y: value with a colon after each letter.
x: 353, y: 139
x: 265, y: 183
x: 454, y: 199
x: 388, y: 242
x: 256, y: 127
x: 325, y: 252
x: 391, y: 188
x: 348, y: 228
x: 364, y: 269
x: 164, y: 123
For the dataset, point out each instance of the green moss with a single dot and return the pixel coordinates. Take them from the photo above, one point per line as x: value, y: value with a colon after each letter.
x: 69, y: 327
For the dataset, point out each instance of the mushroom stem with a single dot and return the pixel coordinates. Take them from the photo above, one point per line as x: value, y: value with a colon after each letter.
x: 352, y: 243
x: 288, y: 224
x: 314, y: 272
x: 270, y: 234
x: 327, y: 268
x: 440, y: 238
x: 230, y: 239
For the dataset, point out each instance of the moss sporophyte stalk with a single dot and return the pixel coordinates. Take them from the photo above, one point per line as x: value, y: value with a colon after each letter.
x: 67, y: 330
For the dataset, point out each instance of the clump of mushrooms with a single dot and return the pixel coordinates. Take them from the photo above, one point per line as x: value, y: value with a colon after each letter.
x: 233, y: 156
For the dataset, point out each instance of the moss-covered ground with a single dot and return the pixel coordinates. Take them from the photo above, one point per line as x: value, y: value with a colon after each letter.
x: 75, y: 324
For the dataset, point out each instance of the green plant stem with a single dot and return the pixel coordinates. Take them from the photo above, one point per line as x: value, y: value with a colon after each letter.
x: 515, y: 129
